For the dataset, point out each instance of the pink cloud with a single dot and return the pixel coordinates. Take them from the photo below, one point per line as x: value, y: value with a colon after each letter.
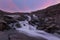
x: 9, y: 5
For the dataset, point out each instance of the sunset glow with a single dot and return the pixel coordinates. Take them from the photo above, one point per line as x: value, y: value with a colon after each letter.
x: 25, y: 5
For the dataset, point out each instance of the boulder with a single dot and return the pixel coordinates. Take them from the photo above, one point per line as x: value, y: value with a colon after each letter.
x: 9, y: 19
x: 4, y: 26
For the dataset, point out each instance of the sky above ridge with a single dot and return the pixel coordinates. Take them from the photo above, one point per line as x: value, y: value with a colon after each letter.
x: 25, y: 5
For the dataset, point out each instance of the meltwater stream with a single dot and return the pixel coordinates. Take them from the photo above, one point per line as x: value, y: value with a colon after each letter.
x: 31, y: 31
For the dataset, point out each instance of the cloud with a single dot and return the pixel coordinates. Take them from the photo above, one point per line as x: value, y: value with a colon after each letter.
x: 25, y: 5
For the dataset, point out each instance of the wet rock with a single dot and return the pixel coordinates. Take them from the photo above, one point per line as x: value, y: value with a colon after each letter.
x: 58, y: 31
x: 9, y: 19
x: 18, y: 25
x: 20, y: 36
x: 3, y: 25
x: 22, y: 18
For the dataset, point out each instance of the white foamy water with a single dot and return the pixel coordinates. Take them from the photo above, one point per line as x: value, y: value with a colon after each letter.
x: 30, y: 30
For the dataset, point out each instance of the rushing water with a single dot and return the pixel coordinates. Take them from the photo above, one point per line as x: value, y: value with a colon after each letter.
x: 31, y: 31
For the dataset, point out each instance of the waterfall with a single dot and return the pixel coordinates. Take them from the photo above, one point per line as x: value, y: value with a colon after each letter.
x: 30, y: 30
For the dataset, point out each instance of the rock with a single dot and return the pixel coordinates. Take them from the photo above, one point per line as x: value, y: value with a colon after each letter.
x: 3, y: 35
x: 21, y: 36
x: 18, y: 25
x: 22, y: 18
x: 3, y: 25
x: 15, y: 35
x: 9, y: 19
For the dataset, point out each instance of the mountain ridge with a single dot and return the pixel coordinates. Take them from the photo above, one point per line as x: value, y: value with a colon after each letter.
x: 48, y: 9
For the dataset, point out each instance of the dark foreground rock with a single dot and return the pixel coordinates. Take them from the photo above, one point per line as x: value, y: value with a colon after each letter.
x: 14, y: 35
x: 3, y: 25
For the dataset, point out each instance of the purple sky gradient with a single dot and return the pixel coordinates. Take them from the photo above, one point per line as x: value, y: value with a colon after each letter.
x: 25, y: 5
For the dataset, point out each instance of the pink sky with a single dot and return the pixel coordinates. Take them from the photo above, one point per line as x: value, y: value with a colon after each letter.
x: 25, y: 5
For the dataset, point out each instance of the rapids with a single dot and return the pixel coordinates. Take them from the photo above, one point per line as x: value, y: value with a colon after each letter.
x: 31, y: 31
